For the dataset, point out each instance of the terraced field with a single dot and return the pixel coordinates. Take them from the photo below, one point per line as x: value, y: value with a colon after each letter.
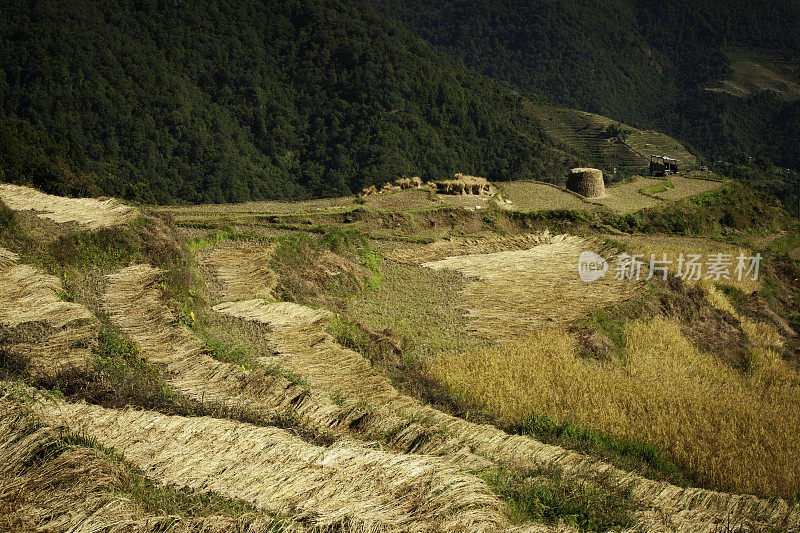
x: 293, y: 421
x: 686, y: 187
x: 626, y: 198
x: 526, y: 195
x: 582, y: 133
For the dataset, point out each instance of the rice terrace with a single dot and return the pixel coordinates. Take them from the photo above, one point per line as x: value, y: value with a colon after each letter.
x: 370, y: 266
x: 407, y: 364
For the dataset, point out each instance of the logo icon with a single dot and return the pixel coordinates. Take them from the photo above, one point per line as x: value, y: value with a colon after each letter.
x: 591, y: 266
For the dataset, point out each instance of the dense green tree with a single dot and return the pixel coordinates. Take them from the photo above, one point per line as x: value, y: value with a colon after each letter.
x: 223, y: 100
x: 641, y: 62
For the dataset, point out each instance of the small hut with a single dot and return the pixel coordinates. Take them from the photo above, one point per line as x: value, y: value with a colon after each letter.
x: 661, y: 165
x: 587, y: 182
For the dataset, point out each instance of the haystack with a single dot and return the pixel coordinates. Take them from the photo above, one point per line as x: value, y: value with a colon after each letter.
x: 464, y: 184
x: 587, y: 182
x: 396, y: 185
x: 409, y: 183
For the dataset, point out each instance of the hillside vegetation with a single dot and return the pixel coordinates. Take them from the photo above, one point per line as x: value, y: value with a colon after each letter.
x: 232, y: 101
x: 644, y: 63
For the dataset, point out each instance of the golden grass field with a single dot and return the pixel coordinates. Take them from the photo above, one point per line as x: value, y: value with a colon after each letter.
x: 735, y: 431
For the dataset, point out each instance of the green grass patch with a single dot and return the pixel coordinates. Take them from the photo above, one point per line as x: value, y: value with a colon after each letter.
x: 611, y: 327
x: 656, y: 188
x: 582, y: 505
x: 222, y: 234
x: 627, y: 454
x: 105, y: 248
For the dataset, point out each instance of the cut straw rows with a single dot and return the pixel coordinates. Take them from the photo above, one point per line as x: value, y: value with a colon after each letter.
x: 132, y: 301
x: 443, y: 433
x: 470, y: 445
x: 514, y: 293
x: 361, y: 488
x: 240, y: 271
x: 472, y: 245
x: 90, y: 212
x: 78, y: 489
x: 303, y: 345
x: 37, y: 324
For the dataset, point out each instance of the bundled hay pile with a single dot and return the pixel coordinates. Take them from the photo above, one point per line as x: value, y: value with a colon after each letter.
x: 342, y: 485
x: 90, y: 212
x: 396, y: 185
x: 36, y: 324
x: 587, y: 182
x: 239, y: 271
x: 464, y: 184
x: 409, y: 183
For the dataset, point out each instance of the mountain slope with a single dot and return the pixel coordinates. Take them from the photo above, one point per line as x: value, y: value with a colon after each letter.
x: 226, y: 101
x: 645, y: 63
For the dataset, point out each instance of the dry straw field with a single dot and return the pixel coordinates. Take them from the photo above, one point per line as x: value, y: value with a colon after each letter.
x: 89, y: 212
x: 513, y: 293
x: 296, y: 432
x: 672, y: 247
x: 235, y: 271
x: 37, y: 324
x: 343, y: 485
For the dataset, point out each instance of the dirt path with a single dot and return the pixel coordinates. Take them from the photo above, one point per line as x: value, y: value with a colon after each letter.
x: 345, y: 484
x: 35, y: 323
x: 90, y: 212
x: 236, y: 271
x: 299, y: 338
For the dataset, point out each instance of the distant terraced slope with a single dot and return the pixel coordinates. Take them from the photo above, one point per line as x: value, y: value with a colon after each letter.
x: 583, y: 134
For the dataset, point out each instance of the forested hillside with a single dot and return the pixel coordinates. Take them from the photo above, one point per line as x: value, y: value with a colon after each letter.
x: 216, y: 101
x: 645, y: 63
